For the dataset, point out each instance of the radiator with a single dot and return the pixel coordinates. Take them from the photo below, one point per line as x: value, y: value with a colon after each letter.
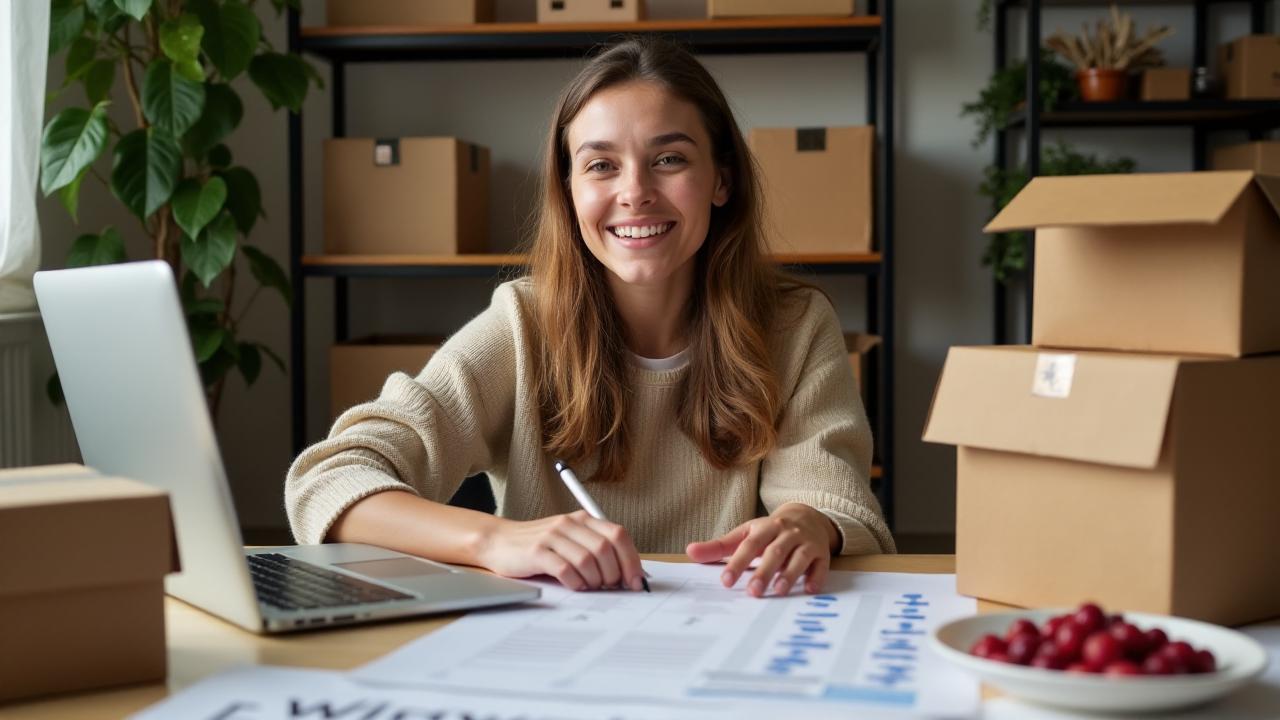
x: 33, y: 431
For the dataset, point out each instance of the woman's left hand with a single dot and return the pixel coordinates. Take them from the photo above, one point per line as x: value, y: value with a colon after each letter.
x: 795, y: 540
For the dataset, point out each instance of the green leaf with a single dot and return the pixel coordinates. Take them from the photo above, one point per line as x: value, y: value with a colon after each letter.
x: 72, y: 141
x: 281, y: 78
x: 222, y: 114
x: 272, y: 354
x: 190, y: 69
x: 219, y: 157
x: 206, y: 338
x: 53, y: 388
x: 66, y: 22
x: 195, y: 205
x: 187, y: 288
x: 244, y: 199
x: 268, y: 272
x: 169, y: 100
x: 213, y: 369
x: 205, y: 306
x: 213, y: 251
x: 99, y: 79
x: 103, y: 249
x: 79, y: 58
x: 69, y: 195
x: 134, y: 8
x: 145, y: 170
x: 230, y: 36
x: 250, y: 363
x: 180, y: 38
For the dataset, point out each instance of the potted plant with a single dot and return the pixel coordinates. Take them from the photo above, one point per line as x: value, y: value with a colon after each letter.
x: 1006, y: 91
x: 170, y: 166
x: 1104, y: 57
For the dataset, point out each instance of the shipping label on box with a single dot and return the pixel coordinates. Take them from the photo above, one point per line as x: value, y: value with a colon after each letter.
x: 1149, y: 486
x: 1168, y: 262
x: 817, y: 187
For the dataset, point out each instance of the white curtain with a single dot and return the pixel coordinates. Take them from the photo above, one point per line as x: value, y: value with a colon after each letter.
x: 24, y: 43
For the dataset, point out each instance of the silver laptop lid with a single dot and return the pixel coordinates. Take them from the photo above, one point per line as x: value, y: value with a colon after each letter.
x: 121, y: 348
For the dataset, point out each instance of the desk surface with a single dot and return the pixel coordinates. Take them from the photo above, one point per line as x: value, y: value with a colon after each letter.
x: 201, y: 645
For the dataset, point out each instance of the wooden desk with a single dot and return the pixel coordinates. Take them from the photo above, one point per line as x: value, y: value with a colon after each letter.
x: 201, y: 645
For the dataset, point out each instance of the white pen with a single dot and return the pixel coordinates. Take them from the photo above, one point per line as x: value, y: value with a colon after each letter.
x: 587, y: 502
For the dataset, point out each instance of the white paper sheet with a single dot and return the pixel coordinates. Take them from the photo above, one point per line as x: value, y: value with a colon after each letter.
x: 860, y: 646
x: 275, y: 693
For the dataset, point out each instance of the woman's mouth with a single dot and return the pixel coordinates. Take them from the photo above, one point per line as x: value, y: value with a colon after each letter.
x: 640, y: 236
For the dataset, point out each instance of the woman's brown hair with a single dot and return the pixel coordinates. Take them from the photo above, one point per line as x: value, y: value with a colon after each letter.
x: 729, y: 403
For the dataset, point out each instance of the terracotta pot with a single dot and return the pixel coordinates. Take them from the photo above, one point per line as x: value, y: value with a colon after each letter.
x: 1101, y: 84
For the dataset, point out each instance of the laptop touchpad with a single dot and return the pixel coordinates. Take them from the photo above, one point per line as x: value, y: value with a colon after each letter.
x: 393, y: 568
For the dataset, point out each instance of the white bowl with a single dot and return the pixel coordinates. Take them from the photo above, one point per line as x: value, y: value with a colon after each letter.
x: 1240, y: 659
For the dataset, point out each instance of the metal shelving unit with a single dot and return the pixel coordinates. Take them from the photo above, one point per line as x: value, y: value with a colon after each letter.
x: 1202, y: 115
x: 870, y: 35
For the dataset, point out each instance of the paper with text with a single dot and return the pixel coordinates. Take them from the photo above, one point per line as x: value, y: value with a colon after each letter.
x: 692, y: 642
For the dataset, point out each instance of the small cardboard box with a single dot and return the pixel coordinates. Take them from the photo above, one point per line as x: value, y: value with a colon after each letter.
x: 1251, y: 67
x: 1261, y: 157
x: 1154, y: 262
x: 1165, y: 84
x: 406, y: 196
x: 349, y: 13
x: 580, y: 11
x: 358, y: 369
x: 82, y: 580
x: 1142, y: 482
x: 817, y: 187
x: 859, y: 345
x: 774, y: 8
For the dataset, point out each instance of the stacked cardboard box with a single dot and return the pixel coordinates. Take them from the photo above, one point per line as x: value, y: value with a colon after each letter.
x: 349, y: 13
x: 593, y: 11
x: 358, y: 368
x: 82, y: 582
x: 1251, y: 67
x: 773, y: 8
x: 1129, y: 456
x: 1262, y: 156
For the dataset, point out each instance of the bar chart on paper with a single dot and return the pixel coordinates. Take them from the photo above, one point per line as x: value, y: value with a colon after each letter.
x: 861, y: 644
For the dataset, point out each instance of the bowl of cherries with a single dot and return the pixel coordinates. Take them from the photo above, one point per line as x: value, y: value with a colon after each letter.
x: 1086, y: 659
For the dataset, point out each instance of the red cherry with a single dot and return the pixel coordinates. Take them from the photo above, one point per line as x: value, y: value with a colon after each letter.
x: 1023, y: 647
x: 1123, y: 667
x: 1046, y: 663
x: 986, y: 645
x: 1100, y: 650
x: 1089, y: 617
x: 1156, y: 639
x: 1179, y: 652
x: 1204, y: 662
x: 1160, y: 664
x: 1133, y: 643
x: 1069, y: 638
x: 1078, y: 667
x: 1019, y: 626
x: 1114, y: 619
x: 1051, y: 626
x: 999, y: 657
x: 1049, y: 656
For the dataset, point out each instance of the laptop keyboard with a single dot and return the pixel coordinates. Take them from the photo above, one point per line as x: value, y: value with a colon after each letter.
x: 283, y: 582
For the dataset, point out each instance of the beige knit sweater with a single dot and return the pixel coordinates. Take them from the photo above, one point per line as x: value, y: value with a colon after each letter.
x: 472, y: 409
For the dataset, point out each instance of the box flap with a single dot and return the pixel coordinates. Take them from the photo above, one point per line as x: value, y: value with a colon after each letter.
x: 80, y: 532
x: 1106, y: 408
x: 1129, y: 199
x: 1270, y: 187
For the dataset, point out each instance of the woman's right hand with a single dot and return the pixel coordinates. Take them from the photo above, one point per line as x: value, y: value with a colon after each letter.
x: 583, y: 553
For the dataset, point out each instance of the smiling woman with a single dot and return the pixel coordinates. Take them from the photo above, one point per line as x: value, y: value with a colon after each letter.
x: 652, y: 347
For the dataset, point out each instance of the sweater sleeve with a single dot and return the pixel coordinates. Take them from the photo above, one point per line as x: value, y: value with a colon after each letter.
x: 423, y: 434
x: 823, y: 455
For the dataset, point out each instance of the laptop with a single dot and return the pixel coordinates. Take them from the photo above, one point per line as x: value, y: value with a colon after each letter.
x: 130, y: 379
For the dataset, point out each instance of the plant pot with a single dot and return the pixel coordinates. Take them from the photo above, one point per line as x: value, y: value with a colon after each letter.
x: 1101, y: 84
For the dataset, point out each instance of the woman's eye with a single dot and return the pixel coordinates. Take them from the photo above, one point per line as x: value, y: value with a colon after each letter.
x: 670, y: 160
x: 599, y: 166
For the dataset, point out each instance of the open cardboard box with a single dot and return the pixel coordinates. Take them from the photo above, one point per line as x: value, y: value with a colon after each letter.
x: 1171, y: 262
x: 82, y: 582
x: 1143, y: 482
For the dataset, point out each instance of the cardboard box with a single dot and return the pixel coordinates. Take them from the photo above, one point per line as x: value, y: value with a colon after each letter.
x: 859, y: 345
x: 82, y: 580
x: 1261, y: 157
x: 358, y: 369
x: 406, y: 12
x: 1154, y: 262
x: 1142, y: 482
x: 406, y: 196
x: 774, y: 8
x: 578, y: 11
x: 1165, y: 84
x: 1251, y: 67
x: 817, y: 187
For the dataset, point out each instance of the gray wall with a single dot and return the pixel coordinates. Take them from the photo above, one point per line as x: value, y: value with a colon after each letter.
x: 943, y: 297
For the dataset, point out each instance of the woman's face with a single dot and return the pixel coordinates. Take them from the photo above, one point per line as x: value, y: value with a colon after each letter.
x: 643, y: 181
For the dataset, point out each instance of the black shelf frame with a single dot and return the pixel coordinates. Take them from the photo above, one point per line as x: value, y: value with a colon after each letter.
x: 857, y: 35
x: 1202, y: 115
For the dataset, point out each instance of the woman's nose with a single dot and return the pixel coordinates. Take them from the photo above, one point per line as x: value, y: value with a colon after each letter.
x: 637, y: 189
